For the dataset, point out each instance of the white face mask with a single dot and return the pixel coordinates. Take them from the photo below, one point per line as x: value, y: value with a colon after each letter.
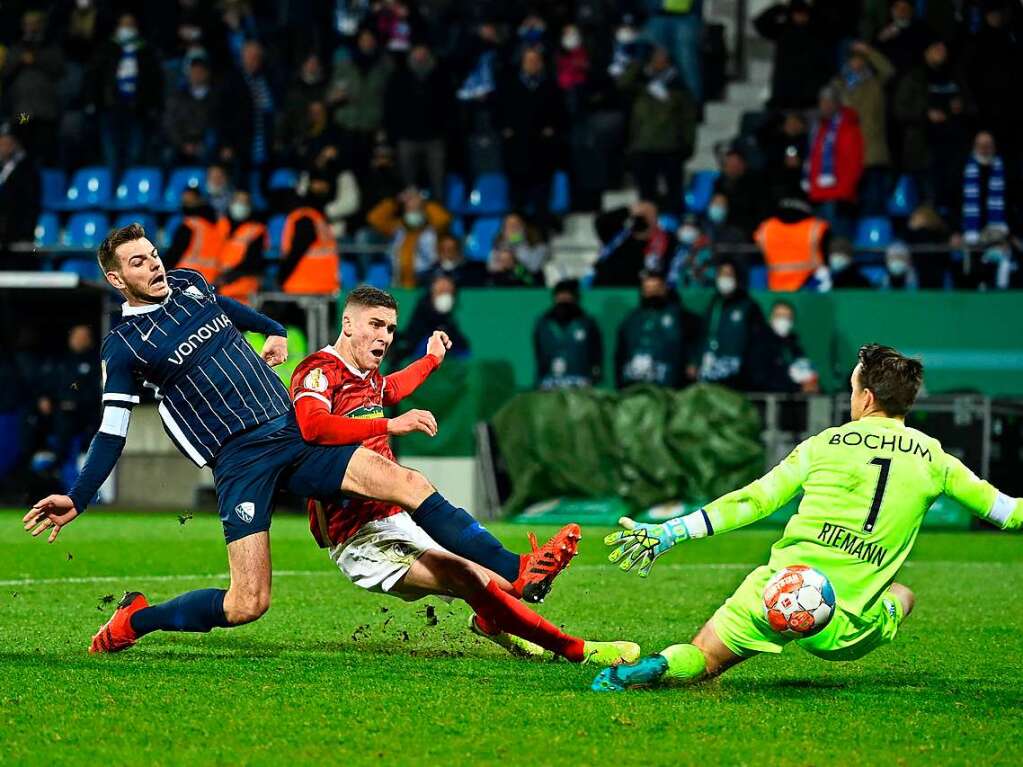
x: 625, y: 35
x: 125, y: 34
x: 839, y: 261
x: 726, y: 285
x: 781, y: 325
x: 444, y: 303
x: 898, y: 267
x: 982, y: 159
x: 688, y: 234
x: 570, y: 41
x: 239, y: 210
x: 414, y: 219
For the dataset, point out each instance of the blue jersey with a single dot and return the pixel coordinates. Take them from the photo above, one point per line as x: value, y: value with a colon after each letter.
x: 210, y: 384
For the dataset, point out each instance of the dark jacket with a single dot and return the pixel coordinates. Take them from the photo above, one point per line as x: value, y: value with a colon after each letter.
x: 656, y: 343
x: 623, y: 256
x: 411, y: 342
x: 772, y: 359
x: 533, y: 121
x: 102, y: 81
x: 733, y: 326
x: 417, y: 108
x: 237, y: 114
x: 20, y: 202
x: 189, y: 120
x: 803, y: 58
x: 569, y: 348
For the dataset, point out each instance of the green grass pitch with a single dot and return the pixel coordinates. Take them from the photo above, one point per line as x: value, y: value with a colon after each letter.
x: 332, y: 675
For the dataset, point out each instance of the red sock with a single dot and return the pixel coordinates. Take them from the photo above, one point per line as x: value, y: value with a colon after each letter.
x: 507, y: 614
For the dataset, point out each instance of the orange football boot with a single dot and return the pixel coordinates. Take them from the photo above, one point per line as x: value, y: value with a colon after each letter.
x: 539, y: 568
x: 117, y: 634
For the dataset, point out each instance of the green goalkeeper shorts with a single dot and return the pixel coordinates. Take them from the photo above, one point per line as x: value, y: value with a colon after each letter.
x: 741, y: 624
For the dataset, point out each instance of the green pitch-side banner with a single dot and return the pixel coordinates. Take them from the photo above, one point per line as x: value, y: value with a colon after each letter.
x: 968, y: 341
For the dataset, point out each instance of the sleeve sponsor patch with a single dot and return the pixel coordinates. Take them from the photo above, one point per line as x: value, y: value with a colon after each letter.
x: 315, y: 380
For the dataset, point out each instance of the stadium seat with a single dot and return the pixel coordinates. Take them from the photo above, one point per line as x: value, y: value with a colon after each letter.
x: 167, y: 233
x: 758, y: 278
x: 283, y: 178
x: 379, y: 275
x: 481, y: 238
x: 454, y: 194
x: 139, y: 188
x: 873, y: 232
x: 181, y: 179
x: 90, y: 188
x: 560, y: 202
x: 457, y: 227
x: 668, y: 222
x: 349, y: 275
x: 86, y: 230
x: 47, y: 230
x: 54, y: 183
x: 701, y: 189
x: 86, y: 268
x: 876, y: 275
x: 904, y: 197
x: 275, y: 228
x: 148, y: 221
x: 488, y: 196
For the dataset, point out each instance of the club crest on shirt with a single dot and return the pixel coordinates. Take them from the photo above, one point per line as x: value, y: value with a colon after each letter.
x: 315, y: 380
x: 245, y: 511
x: 193, y: 292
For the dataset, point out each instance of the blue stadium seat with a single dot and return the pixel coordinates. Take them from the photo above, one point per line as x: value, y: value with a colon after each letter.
x: 148, y: 221
x: 283, y: 178
x: 167, y: 233
x: 904, y: 197
x: 379, y: 275
x: 876, y: 275
x: 47, y: 230
x: 873, y: 232
x: 454, y: 194
x: 54, y: 183
x: 668, y: 222
x: 560, y: 198
x: 181, y: 179
x: 701, y: 189
x: 89, y: 188
x: 86, y: 230
x: 488, y: 196
x: 349, y: 275
x: 86, y: 268
x: 457, y: 227
x: 758, y: 278
x: 481, y: 238
x: 139, y: 188
x: 275, y: 228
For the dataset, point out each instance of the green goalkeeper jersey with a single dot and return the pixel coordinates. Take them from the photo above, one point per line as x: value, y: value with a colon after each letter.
x: 866, y: 487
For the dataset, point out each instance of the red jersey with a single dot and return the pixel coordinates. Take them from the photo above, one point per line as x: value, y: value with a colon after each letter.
x: 338, y: 404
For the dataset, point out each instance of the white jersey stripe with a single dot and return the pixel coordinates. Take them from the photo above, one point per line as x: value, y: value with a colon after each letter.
x: 111, y: 397
x: 208, y: 404
x: 216, y: 441
x: 247, y: 384
x: 131, y: 348
x: 253, y: 368
x: 222, y: 398
x: 181, y: 419
x: 241, y: 397
x: 179, y: 435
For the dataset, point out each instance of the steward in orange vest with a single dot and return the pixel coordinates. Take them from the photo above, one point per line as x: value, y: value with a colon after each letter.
x: 309, y: 250
x: 242, y: 257
x: 793, y: 244
x: 197, y: 242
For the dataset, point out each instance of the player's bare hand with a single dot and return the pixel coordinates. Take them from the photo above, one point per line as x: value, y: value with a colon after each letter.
x: 438, y: 344
x: 51, y: 513
x: 275, y: 350
x: 413, y: 420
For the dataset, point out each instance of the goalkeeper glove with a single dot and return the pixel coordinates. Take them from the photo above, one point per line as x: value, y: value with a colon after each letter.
x: 641, y: 544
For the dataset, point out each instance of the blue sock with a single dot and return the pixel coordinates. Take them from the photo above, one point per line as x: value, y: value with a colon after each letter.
x: 199, y: 610
x: 455, y: 530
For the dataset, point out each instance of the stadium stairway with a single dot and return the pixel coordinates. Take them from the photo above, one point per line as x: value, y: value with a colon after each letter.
x: 721, y: 119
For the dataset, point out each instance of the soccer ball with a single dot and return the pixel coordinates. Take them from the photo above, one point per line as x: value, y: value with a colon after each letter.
x: 799, y: 601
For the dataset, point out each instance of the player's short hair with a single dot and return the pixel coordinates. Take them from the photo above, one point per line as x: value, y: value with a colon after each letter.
x: 107, y: 253
x: 368, y: 296
x: 893, y: 377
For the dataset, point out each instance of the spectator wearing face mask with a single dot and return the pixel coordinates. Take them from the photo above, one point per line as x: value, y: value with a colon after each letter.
x: 741, y: 192
x: 997, y: 266
x: 219, y: 189
x: 904, y: 39
x: 733, y: 326
x: 413, y: 225
x: 626, y: 49
x: 505, y: 271
x: 310, y: 263
x: 984, y: 189
x: 242, y: 256
x: 189, y: 117
x: 567, y: 343
x: 900, y: 274
x: 692, y: 265
x: 835, y: 162
x: 926, y: 229
x: 309, y: 84
x: 573, y: 68
x: 199, y: 238
x: 434, y: 311
x: 657, y: 339
x: 632, y: 240
x: 845, y: 275
x: 451, y: 262
x: 416, y: 111
x: 782, y: 366
x: 662, y: 128
x: 793, y: 243
x: 525, y: 243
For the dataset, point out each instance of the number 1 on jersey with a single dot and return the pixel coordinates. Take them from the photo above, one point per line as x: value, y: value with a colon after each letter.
x: 882, y: 481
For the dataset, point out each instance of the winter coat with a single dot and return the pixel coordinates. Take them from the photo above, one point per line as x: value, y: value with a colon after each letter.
x: 658, y: 124
x: 867, y: 99
x: 848, y: 160
x: 362, y: 109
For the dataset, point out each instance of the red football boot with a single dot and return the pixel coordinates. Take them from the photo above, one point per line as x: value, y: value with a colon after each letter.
x: 117, y: 634
x: 539, y: 568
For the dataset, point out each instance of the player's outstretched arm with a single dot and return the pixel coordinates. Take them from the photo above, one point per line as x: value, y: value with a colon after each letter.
x: 275, y: 349
x: 401, y: 384
x: 640, y: 544
x: 981, y: 497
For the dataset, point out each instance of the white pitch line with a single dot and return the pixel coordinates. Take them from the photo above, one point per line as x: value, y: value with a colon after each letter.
x: 321, y: 573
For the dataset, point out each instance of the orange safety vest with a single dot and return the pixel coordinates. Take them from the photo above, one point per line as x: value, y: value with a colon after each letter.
x: 203, y: 251
x: 792, y: 252
x: 233, y: 253
x: 318, y: 268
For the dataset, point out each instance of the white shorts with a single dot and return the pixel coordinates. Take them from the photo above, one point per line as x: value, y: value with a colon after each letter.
x: 381, y: 552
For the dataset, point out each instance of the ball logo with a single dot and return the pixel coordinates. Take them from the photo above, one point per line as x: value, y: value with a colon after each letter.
x: 245, y: 511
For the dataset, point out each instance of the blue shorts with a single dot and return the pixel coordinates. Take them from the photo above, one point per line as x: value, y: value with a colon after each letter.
x: 253, y: 466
